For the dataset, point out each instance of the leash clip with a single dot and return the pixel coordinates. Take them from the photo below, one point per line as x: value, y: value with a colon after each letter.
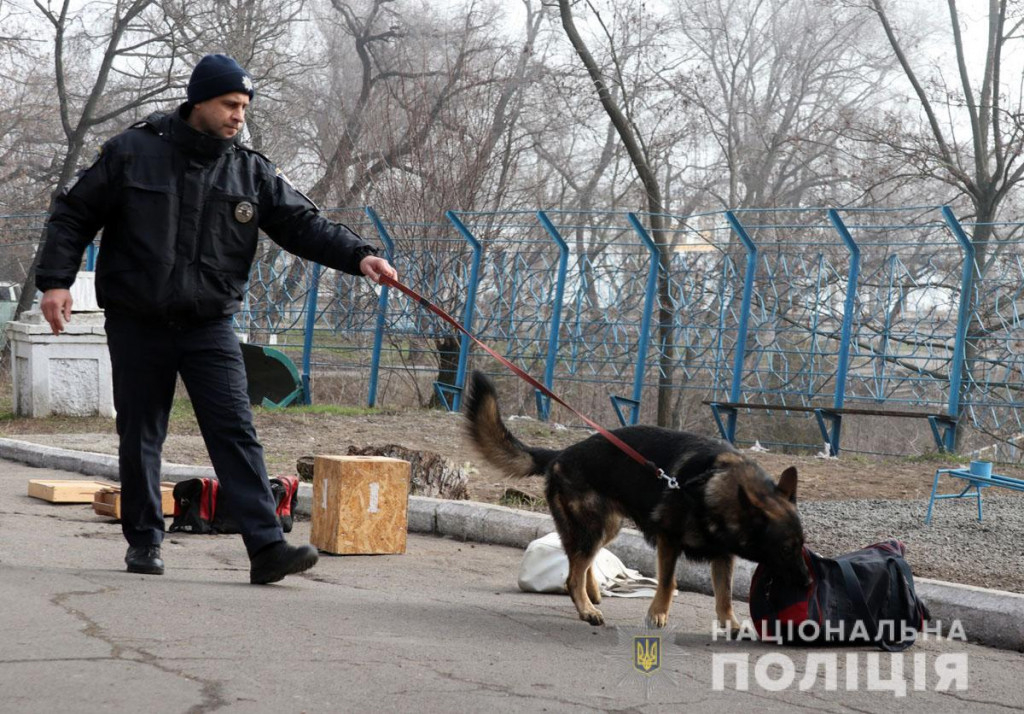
x: 670, y: 480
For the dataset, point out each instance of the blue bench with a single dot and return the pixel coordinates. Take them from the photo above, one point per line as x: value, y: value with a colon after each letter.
x: 973, y: 482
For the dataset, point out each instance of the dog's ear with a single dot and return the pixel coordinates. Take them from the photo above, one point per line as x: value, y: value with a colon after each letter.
x: 748, y: 500
x: 787, y: 484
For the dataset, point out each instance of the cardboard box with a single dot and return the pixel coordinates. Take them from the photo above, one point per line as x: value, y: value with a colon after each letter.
x: 360, y: 504
x: 66, y: 490
x: 107, y: 501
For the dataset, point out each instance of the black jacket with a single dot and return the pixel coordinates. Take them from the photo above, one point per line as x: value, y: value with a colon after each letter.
x: 180, y: 212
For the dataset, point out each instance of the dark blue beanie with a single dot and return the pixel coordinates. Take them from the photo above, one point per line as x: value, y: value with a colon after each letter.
x: 216, y: 75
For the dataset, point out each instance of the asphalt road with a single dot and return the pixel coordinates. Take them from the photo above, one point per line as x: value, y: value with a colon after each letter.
x: 442, y: 628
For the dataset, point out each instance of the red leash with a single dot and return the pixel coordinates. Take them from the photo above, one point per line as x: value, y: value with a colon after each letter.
x: 626, y: 448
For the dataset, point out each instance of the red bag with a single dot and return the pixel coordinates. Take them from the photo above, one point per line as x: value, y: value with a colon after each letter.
x: 195, y: 505
x: 286, y: 492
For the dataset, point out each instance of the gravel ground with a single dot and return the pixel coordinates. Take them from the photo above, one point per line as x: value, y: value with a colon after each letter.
x: 955, y: 547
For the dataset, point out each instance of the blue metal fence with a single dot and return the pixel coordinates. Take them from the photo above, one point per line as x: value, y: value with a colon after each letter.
x: 807, y: 311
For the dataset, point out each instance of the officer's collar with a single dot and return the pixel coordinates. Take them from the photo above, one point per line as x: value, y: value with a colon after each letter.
x: 193, y: 141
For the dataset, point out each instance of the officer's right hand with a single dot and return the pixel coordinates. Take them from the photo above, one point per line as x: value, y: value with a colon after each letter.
x: 56, y: 307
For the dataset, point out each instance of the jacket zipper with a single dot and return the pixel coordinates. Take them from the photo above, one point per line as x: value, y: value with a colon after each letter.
x: 204, y: 191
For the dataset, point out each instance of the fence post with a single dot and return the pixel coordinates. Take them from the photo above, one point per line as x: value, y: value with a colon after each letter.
x: 846, y: 336
x: 467, y: 316
x: 382, y: 307
x: 644, y: 342
x: 544, y: 402
x: 728, y: 429
x: 963, y: 320
x: 307, y: 340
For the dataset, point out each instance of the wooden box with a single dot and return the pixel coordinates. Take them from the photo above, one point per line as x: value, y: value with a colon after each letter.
x: 360, y: 504
x: 107, y: 501
x: 65, y: 490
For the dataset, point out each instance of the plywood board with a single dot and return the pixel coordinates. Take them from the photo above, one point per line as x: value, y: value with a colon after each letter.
x: 360, y: 504
x: 65, y: 490
x: 107, y: 501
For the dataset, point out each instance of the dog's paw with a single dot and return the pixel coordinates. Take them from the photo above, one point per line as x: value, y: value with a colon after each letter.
x: 727, y: 622
x: 656, y: 619
x: 594, y: 617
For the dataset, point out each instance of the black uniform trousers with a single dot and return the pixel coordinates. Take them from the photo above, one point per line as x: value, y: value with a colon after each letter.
x: 146, y: 357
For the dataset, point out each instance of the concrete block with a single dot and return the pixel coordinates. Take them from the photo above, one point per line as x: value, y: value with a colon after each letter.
x: 460, y: 519
x: 989, y: 617
x: 304, y: 500
x: 67, y: 374
x: 423, y: 514
x: 631, y: 548
x: 182, y: 472
x: 507, y: 526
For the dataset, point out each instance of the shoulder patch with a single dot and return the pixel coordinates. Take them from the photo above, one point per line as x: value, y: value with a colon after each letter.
x: 281, y: 175
x: 81, y: 172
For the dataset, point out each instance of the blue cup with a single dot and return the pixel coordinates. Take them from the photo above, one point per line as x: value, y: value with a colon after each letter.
x: 981, y: 469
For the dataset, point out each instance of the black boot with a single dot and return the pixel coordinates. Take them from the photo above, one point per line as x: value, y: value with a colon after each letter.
x: 279, y: 559
x: 144, y: 559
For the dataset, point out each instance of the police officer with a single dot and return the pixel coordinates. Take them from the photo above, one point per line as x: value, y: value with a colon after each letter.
x: 181, y: 202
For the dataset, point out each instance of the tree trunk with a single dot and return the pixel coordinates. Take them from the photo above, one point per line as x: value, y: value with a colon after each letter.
x: 28, y: 288
x: 648, y: 177
x: 972, y: 350
x: 447, y: 366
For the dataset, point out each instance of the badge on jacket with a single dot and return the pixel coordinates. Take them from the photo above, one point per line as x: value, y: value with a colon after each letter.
x: 244, y: 212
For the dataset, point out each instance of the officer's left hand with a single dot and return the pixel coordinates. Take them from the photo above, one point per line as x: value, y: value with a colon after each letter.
x: 373, y: 267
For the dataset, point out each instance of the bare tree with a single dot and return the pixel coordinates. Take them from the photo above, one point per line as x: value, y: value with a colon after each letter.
x: 136, y: 61
x: 409, y: 69
x: 641, y: 154
x: 989, y: 165
x: 417, y: 112
x: 780, y: 84
x: 269, y: 39
x: 24, y: 133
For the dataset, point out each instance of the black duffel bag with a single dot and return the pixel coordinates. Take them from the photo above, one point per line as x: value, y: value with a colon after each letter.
x: 864, y: 597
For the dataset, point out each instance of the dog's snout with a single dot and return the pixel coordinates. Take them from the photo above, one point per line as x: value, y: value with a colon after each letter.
x: 803, y: 575
x: 795, y: 573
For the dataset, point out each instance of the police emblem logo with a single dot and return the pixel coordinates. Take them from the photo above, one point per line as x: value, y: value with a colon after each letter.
x: 244, y: 212
x: 647, y: 654
x: 247, y: 83
x: 651, y: 657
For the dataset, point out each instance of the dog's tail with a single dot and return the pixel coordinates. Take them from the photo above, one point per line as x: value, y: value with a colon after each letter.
x: 490, y: 435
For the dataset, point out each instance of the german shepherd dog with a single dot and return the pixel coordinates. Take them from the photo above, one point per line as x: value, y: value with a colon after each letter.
x: 725, y: 506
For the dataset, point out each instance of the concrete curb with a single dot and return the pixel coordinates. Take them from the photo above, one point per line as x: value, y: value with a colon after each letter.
x: 990, y: 617
x: 86, y: 462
